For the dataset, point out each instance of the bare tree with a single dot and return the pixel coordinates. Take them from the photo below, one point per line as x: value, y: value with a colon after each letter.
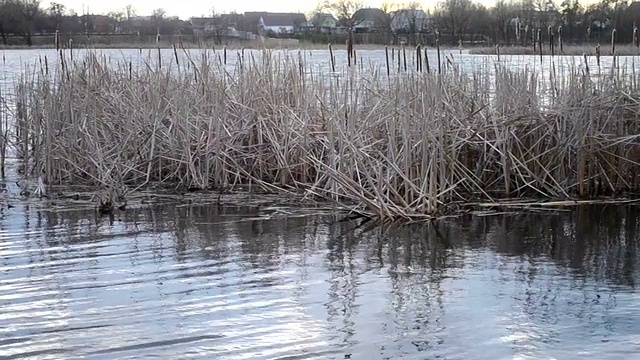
x: 29, y: 9
x: 11, y: 19
x: 415, y: 19
x: 344, y: 9
x: 57, y: 11
x: 218, y: 25
x: 118, y: 17
x: 316, y: 14
x: 480, y: 23
x: 455, y: 16
x: 501, y: 17
x: 130, y: 11
x: 158, y: 16
x: 387, y: 8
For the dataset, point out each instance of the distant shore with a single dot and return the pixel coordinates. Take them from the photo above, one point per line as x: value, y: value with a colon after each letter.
x: 567, y: 50
x: 233, y: 46
x: 276, y: 44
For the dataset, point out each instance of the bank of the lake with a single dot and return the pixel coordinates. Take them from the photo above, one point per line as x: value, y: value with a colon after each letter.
x: 567, y: 50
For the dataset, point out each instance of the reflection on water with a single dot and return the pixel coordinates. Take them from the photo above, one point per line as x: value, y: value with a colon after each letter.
x: 188, y: 282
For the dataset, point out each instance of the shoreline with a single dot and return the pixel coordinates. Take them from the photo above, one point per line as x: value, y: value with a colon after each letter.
x: 233, y: 46
x: 568, y: 50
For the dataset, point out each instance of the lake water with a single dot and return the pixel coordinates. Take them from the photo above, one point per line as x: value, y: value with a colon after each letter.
x: 370, y: 64
x: 186, y: 281
x: 180, y: 280
x: 317, y: 60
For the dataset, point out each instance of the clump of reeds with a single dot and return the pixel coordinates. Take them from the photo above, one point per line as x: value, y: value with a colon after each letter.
x: 379, y: 144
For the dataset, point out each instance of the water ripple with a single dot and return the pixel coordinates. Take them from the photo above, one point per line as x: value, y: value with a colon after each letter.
x: 174, y: 282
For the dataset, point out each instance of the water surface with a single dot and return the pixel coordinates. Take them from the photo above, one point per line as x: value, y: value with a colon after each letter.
x: 184, y: 281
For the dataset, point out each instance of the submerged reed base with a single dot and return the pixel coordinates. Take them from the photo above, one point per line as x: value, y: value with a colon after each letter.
x: 408, y: 146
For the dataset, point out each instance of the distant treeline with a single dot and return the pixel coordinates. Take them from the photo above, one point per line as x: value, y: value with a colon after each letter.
x: 454, y: 21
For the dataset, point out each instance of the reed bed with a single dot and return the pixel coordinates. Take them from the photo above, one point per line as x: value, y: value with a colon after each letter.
x: 409, y: 145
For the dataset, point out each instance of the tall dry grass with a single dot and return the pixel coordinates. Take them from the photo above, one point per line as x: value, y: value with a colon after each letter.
x: 402, y: 146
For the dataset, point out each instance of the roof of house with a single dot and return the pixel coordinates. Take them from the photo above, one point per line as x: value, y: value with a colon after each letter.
x: 410, y: 13
x: 283, y: 19
x: 369, y: 14
x: 319, y: 18
x: 229, y: 19
x: 99, y: 20
x: 201, y: 21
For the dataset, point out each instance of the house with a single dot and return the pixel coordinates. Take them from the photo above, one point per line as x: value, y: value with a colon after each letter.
x: 98, y: 24
x: 324, y: 22
x: 220, y: 26
x: 408, y: 21
x: 103, y: 24
x: 370, y: 20
x: 282, y: 23
x: 209, y: 26
x: 251, y: 21
x: 143, y: 25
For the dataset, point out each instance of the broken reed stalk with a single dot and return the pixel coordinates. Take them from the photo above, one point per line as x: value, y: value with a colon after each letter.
x: 224, y: 55
x: 426, y: 59
x: 386, y: 55
x: 560, y: 39
x: 551, y: 41
x: 613, y: 43
x: 404, y: 57
x: 540, y: 43
x: 332, y: 59
x: 438, y: 50
x: 273, y: 127
x: 159, y: 51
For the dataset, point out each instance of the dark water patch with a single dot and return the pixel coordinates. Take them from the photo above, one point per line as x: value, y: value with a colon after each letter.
x: 152, y: 344
x: 36, y: 353
x: 194, y: 282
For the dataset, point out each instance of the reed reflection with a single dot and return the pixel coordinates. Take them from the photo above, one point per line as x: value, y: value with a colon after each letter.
x: 520, y: 284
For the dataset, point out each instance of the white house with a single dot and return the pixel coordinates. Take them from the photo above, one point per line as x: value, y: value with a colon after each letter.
x: 282, y: 23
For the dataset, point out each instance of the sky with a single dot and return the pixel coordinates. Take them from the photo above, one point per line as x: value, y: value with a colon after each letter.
x: 187, y: 8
